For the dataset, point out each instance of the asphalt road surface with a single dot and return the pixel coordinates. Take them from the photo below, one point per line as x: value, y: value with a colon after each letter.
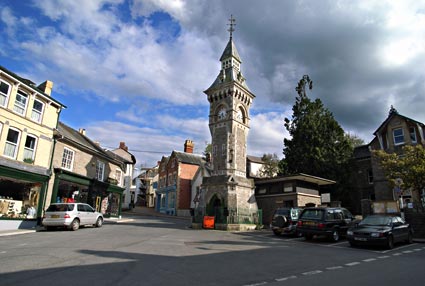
x: 165, y: 251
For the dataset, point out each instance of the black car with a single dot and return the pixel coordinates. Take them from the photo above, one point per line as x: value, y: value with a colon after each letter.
x: 384, y: 230
x: 324, y: 221
x: 285, y: 220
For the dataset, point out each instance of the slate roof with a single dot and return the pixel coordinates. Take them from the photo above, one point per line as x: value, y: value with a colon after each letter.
x: 189, y: 158
x: 255, y: 159
x: 393, y: 113
x: 77, y: 138
x: 29, y: 84
x: 361, y: 152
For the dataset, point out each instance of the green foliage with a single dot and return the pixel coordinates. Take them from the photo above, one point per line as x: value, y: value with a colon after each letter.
x: 354, y: 140
x: 409, y: 167
x: 208, y: 148
x: 318, y: 145
x: 271, y: 165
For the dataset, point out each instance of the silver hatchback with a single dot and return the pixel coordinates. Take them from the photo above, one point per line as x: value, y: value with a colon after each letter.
x: 71, y: 216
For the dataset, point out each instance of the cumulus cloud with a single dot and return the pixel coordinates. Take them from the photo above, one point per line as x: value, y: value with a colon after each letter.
x: 147, y: 62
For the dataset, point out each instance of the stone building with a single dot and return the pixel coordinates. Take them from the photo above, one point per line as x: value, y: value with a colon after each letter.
x: 367, y: 179
x: 85, y: 172
x: 227, y: 193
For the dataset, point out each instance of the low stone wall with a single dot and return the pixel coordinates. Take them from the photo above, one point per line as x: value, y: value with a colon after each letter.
x: 417, y: 220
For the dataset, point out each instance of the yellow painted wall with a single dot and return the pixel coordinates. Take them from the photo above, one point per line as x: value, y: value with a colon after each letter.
x: 43, y: 131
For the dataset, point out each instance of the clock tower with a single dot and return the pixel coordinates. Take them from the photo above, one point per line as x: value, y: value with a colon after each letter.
x: 228, y: 187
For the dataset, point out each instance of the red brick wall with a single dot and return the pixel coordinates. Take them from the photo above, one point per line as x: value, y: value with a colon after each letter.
x: 184, y: 184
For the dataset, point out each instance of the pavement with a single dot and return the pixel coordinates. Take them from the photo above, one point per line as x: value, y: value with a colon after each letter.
x: 126, y: 216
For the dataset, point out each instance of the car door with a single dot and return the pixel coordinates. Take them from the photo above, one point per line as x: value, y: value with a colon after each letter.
x: 400, y: 231
x: 90, y: 214
x: 82, y: 214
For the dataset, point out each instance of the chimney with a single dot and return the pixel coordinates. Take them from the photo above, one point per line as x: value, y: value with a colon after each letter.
x: 188, y: 146
x: 46, y: 87
x: 122, y: 146
x: 82, y: 131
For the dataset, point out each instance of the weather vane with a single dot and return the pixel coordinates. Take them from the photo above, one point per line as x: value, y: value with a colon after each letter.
x: 231, y: 25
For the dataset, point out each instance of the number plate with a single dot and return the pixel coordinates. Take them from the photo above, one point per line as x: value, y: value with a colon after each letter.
x: 309, y: 223
x: 360, y: 239
x: 55, y: 216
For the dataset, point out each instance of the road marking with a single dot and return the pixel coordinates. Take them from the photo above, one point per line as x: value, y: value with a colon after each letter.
x: 334, y: 267
x: 257, y: 284
x: 369, y: 260
x: 3, y: 252
x: 285, y: 278
x: 417, y: 249
x: 397, y: 254
x: 314, y: 272
x: 407, y: 251
x: 383, y: 257
x: 352, y: 263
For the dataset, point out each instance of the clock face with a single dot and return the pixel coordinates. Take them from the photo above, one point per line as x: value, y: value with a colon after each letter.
x: 222, y: 113
x: 239, y: 115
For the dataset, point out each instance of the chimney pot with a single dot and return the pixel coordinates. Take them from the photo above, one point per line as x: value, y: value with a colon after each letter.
x: 188, y: 146
x: 82, y: 131
x: 123, y: 147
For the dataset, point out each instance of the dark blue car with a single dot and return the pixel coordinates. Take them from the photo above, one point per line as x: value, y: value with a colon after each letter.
x: 382, y: 230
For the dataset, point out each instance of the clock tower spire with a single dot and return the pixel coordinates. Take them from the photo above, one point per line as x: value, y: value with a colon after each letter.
x: 230, y: 100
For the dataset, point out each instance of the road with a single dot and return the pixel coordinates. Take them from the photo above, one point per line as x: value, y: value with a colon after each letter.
x: 165, y: 251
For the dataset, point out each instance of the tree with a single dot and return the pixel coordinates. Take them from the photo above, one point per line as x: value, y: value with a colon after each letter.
x: 354, y: 140
x: 409, y: 167
x: 318, y: 145
x: 271, y: 165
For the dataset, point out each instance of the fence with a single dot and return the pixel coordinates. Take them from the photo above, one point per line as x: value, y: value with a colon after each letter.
x: 230, y: 216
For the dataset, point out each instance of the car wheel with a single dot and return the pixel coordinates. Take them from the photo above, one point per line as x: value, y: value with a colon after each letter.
x: 390, y: 242
x: 335, y: 235
x: 75, y: 225
x: 308, y: 237
x: 99, y: 222
x: 409, y: 238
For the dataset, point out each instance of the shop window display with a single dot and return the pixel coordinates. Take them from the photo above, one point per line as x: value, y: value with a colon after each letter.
x: 19, y: 199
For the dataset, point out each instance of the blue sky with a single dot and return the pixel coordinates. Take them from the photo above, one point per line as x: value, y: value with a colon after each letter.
x: 135, y: 71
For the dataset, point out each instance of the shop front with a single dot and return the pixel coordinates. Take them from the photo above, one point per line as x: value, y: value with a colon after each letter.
x: 22, y: 193
x: 70, y: 187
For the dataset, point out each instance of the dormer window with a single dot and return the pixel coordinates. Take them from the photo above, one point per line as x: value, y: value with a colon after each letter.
x: 398, y: 135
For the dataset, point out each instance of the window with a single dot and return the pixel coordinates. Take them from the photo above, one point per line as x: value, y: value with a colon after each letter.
x: 67, y: 159
x: 29, y: 149
x: 20, y: 102
x: 370, y: 176
x: 100, y: 169
x: 12, y: 141
x: 4, y: 93
x: 215, y: 150
x: 398, y: 136
x: 37, y: 110
x: 118, y: 177
x: 412, y: 133
x: 223, y: 149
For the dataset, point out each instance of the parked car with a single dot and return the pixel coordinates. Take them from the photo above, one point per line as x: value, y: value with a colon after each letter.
x: 324, y: 221
x: 285, y: 220
x: 384, y: 230
x: 71, y: 216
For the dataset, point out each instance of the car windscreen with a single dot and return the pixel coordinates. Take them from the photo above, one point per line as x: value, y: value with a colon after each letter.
x: 282, y: 212
x: 60, y: 208
x: 312, y: 214
x: 376, y: 220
